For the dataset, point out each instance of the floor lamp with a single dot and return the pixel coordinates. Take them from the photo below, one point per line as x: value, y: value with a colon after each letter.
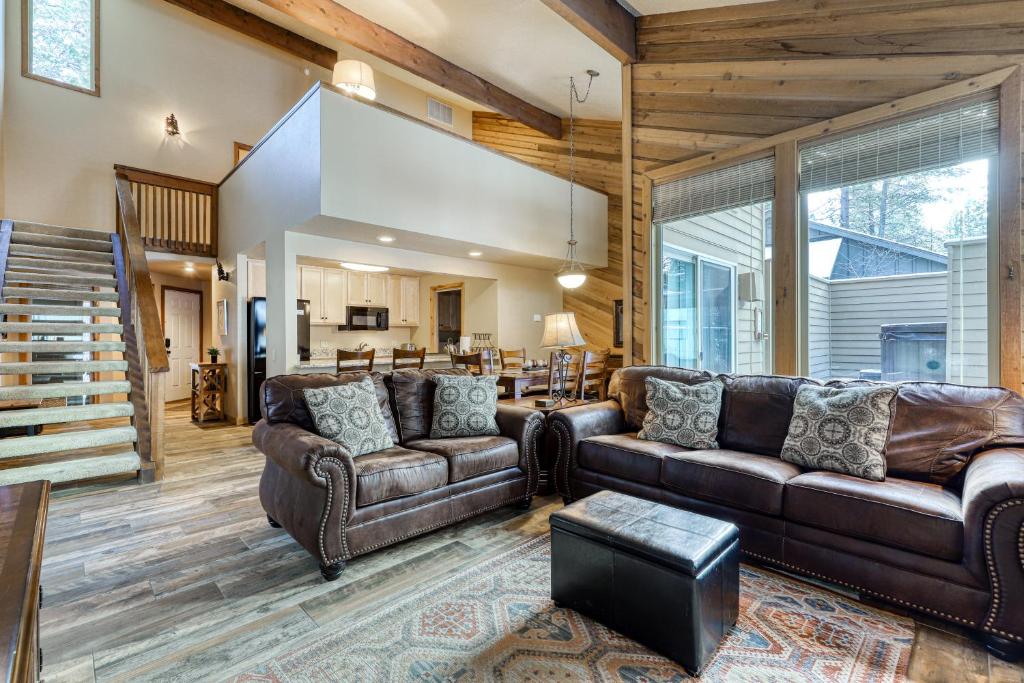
x: 560, y: 333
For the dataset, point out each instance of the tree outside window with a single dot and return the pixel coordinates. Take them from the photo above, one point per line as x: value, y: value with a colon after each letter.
x: 61, y: 42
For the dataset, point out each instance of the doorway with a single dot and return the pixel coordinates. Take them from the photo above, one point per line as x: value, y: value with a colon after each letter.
x: 183, y: 315
x: 446, y: 315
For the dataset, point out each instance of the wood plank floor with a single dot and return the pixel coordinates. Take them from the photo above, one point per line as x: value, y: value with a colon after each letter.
x: 183, y: 580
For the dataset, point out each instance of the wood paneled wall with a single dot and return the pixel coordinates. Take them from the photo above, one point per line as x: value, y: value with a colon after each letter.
x: 599, y: 167
x: 713, y: 79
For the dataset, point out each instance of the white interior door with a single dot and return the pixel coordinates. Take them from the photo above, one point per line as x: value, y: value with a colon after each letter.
x: 182, y: 328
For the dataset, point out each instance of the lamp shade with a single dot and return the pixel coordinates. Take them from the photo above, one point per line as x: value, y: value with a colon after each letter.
x: 355, y: 77
x: 560, y: 331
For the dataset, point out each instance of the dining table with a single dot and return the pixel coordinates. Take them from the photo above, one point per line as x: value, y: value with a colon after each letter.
x: 514, y: 381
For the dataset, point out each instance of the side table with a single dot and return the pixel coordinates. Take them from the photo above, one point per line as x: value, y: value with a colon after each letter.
x: 209, y: 383
x: 546, y: 448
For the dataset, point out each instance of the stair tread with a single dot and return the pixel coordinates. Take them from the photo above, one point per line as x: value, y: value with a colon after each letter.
x: 22, y: 263
x: 31, y: 250
x: 72, y: 346
x: 61, y: 278
x: 62, y: 414
x: 21, y: 446
x: 76, y: 469
x: 61, y: 241
x: 62, y: 328
x: 58, y: 294
x: 60, y: 230
x: 45, y: 367
x: 58, y: 310
x: 59, y: 389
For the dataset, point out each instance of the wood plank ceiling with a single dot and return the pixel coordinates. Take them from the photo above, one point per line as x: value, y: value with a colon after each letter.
x: 713, y: 79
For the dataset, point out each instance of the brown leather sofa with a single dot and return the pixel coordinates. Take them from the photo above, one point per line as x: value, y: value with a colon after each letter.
x: 942, y: 535
x: 338, y: 506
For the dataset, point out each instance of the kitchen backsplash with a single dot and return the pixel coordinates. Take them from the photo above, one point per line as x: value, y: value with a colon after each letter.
x: 324, y: 341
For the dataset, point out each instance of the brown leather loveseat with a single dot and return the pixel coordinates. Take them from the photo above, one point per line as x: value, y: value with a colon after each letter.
x: 943, y: 534
x: 338, y: 506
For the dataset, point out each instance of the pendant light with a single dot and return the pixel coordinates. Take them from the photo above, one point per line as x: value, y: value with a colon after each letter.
x: 572, y: 275
x: 355, y: 77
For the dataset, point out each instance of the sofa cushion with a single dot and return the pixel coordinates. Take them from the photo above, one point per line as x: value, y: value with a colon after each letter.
x: 625, y: 456
x: 629, y: 388
x: 281, y: 398
x: 349, y: 414
x: 682, y: 414
x: 841, y: 429
x: 412, y: 398
x: 464, y: 406
x: 471, y: 456
x: 910, y: 515
x: 742, y: 480
x: 396, y: 472
x: 756, y: 410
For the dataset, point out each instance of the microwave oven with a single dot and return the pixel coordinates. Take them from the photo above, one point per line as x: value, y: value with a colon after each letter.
x: 365, y: 318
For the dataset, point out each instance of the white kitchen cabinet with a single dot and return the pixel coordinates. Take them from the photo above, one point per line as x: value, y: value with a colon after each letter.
x: 367, y: 289
x: 403, y: 301
x: 324, y: 288
x: 257, y: 278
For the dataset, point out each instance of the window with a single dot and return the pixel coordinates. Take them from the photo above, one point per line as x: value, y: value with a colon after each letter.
x: 60, y: 43
x: 895, y: 228
x: 712, y: 259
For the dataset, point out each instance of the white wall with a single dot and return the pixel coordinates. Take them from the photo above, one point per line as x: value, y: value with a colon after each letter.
x: 479, y: 307
x: 60, y: 145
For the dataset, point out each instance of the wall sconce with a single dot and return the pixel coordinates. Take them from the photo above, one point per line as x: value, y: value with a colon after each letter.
x: 171, y: 126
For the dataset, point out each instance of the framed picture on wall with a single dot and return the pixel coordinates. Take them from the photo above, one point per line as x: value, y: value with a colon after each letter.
x: 222, y: 317
x: 617, y: 318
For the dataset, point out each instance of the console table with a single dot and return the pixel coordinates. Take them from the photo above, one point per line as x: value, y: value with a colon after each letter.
x: 22, y: 528
x: 209, y: 384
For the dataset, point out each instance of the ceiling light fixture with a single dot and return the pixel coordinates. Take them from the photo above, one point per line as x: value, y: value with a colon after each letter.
x: 386, y: 239
x: 355, y: 78
x: 476, y: 253
x: 190, y: 267
x: 572, y: 274
x: 364, y: 267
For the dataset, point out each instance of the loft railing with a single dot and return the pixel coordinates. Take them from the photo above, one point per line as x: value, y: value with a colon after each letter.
x: 176, y: 215
x: 143, y: 333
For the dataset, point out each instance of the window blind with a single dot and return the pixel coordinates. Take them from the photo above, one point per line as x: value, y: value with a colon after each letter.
x: 749, y: 182
x: 928, y: 142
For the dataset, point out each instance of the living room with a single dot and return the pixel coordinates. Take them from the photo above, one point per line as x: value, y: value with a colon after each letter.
x: 645, y: 340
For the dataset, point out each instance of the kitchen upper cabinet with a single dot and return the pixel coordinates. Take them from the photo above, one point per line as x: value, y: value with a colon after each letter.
x: 403, y: 301
x: 325, y: 290
x: 257, y: 272
x: 367, y: 289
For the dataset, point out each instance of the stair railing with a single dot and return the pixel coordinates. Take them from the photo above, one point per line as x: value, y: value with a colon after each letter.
x: 176, y: 215
x: 143, y: 333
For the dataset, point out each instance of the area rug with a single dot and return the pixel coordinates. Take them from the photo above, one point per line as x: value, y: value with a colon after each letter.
x: 496, y: 622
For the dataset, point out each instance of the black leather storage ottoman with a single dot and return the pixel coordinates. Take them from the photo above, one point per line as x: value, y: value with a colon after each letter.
x: 665, y: 577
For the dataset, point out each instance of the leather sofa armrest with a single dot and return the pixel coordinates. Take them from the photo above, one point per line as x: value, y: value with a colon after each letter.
x: 308, y: 487
x: 993, y: 510
x: 524, y: 426
x: 572, y: 425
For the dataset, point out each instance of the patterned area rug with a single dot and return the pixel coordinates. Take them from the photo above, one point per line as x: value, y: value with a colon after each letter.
x: 495, y: 622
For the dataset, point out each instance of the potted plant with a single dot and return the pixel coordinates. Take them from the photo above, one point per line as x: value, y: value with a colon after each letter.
x: 214, y: 353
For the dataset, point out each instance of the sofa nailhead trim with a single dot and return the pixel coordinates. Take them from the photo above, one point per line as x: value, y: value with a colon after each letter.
x: 997, y: 603
x: 563, y: 455
x: 327, y: 509
x: 801, y: 570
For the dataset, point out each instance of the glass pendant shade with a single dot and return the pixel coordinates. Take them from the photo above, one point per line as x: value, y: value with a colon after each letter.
x: 355, y: 77
x: 571, y: 278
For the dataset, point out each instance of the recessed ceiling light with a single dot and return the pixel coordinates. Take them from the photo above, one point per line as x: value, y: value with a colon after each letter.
x: 363, y: 267
x: 190, y: 267
x: 476, y: 253
x: 385, y: 238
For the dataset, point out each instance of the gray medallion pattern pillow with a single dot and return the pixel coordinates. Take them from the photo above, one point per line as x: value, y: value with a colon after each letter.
x: 349, y: 414
x: 682, y: 414
x: 840, y: 429
x: 465, y: 406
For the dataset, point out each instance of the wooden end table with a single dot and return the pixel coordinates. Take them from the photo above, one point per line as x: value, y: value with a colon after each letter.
x: 547, y: 449
x: 209, y: 384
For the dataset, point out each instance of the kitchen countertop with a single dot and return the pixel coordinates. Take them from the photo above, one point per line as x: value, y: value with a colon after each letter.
x: 379, y: 363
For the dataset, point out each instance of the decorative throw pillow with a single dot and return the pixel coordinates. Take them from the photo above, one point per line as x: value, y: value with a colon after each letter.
x: 682, y: 414
x: 465, y: 406
x: 840, y: 429
x: 349, y: 414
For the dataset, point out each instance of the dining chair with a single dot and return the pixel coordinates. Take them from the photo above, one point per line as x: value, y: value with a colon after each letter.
x: 475, y: 362
x: 345, y: 356
x: 592, y: 377
x: 406, y: 358
x: 512, y: 359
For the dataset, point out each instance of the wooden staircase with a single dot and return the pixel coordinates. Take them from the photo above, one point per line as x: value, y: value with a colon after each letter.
x: 76, y: 376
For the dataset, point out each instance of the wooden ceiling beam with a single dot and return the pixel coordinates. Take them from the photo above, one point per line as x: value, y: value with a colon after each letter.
x: 249, y: 24
x: 342, y: 23
x: 605, y: 22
